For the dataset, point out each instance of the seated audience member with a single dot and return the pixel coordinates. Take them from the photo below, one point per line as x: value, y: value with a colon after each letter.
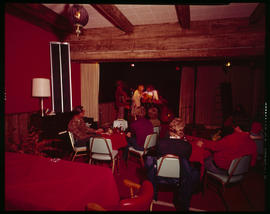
x: 153, y: 116
x: 227, y: 127
x: 256, y: 134
x: 228, y: 148
x: 176, y: 144
x: 139, y: 129
x: 120, y: 123
x: 166, y: 116
x: 79, y: 129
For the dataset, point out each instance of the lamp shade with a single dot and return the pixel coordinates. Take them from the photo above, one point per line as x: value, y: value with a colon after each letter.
x: 78, y: 15
x: 41, y: 87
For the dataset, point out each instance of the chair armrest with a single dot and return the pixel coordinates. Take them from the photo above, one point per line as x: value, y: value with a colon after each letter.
x: 94, y: 206
x: 63, y: 132
x: 131, y: 184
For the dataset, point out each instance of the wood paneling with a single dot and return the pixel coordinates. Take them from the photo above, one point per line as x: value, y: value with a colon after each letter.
x: 16, y: 130
x: 22, y: 136
x: 107, y: 113
x: 218, y: 38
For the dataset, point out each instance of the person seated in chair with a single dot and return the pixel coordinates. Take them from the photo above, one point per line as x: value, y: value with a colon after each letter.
x: 120, y: 123
x: 153, y: 116
x: 79, y: 129
x: 176, y: 144
x: 256, y: 134
x: 139, y: 129
x: 228, y: 148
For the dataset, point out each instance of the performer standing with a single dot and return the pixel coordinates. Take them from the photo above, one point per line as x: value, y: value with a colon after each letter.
x: 136, y: 99
x: 121, y: 100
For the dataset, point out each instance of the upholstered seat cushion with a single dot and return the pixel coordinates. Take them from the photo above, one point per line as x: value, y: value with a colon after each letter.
x: 80, y: 149
x: 224, y: 178
x: 104, y: 156
x: 135, y: 150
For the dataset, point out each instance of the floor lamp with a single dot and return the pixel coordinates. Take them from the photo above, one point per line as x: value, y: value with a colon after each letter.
x: 41, y: 89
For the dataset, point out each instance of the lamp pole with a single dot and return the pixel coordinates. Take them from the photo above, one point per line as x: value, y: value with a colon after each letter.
x: 41, y: 104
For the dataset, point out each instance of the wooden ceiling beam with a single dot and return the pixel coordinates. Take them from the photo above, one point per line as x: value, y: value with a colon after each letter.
x: 204, y: 39
x: 115, y: 16
x: 258, y: 14
x: 183, y: 15
x: 40, y: 16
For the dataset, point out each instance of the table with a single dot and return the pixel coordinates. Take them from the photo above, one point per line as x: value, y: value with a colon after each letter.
x: 118, y: 140
x: 39, y: 183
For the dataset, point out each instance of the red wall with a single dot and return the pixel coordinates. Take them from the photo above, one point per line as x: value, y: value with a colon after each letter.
x: 27, y: 56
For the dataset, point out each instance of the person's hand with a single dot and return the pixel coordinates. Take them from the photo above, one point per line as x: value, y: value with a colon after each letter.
x: 128, y: 134
x: 199, y: 143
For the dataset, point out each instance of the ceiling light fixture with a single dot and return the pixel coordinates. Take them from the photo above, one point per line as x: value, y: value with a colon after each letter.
x: 78, y: 16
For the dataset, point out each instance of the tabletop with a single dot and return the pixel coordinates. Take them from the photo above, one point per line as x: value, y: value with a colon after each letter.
x: 118, y: 139
x: 39, y: 183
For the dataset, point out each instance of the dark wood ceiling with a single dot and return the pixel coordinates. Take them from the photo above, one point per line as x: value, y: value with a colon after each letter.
x: 239, y: 37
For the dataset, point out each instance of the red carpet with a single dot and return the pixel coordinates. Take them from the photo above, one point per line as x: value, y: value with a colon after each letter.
x: 254, y: 186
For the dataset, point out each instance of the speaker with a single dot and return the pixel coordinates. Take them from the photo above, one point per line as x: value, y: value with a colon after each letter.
x: 61, y: 77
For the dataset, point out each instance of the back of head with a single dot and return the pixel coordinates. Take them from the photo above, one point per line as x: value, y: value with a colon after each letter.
x: 241, y: 124
x: 153, y: 113
x: 149, y: 87
x: 256, y: 127
x: 140, y: 88
x: 176, y: 127
x: 77, y: 110
x: 119, y: 83
x: 140, y: 112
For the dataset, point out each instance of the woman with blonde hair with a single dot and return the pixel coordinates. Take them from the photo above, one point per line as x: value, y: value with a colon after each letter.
x: 176, y: 144
x: 176, y: 128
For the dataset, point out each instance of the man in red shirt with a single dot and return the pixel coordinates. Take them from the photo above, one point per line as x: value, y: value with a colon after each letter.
x: 228, y: 148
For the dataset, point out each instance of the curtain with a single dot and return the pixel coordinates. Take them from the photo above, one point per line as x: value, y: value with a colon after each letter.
x: 247, y: 84
x: 243, y: 87
x: 186, y: 94
x: 90, y: 89
x: 208, y: 100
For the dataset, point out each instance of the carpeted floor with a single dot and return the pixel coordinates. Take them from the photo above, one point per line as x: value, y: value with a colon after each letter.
x: 209, y: 201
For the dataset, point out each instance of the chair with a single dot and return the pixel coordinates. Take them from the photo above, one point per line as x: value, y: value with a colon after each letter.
x: 150, y: 142
x: 137, y: 202
x: 238, y: 169
x: 157, y: 129
x: 168, y: 166
x: 101, y: 149
x: 78, y: 151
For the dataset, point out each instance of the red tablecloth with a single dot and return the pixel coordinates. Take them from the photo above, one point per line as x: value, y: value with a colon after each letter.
x: 38, y: 183
x: 118, y: 140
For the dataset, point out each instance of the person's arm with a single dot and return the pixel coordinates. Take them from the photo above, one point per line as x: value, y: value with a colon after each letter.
x: 256, y: 137
x: 215, y: 145
x: 155, y: 95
